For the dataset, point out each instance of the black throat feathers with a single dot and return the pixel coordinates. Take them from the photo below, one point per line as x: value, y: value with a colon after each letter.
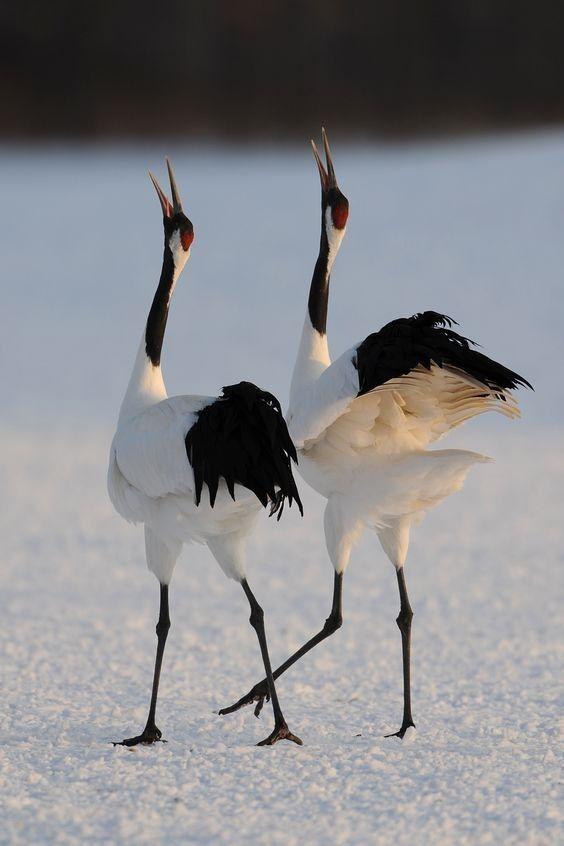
x: 319, y: 290
x: 156, y: 322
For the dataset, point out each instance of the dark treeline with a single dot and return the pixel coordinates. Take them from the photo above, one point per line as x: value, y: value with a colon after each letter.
x: 256, y: 67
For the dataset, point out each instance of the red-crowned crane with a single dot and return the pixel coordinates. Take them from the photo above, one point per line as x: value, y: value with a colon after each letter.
x: 363, y: 424
x: 196, y: 468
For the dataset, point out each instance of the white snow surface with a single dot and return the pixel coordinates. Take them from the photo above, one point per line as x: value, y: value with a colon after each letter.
x: 473, y: 229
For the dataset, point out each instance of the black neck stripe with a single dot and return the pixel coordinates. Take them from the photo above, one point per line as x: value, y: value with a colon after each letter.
x: 156, y: 322
x: 319, y: 289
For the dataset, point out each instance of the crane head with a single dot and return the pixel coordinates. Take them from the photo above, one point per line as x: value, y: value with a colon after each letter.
x: 333, y: 202
x: 179, y: 232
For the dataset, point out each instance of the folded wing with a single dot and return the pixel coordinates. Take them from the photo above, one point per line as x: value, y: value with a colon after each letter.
x: 150, y: 450
x: 242, y: 438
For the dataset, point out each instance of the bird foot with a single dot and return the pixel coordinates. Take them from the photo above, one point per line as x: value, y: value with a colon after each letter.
x: 281, y: 732
x: 150, y: 734
x: 402, y: 730
x: 259, y: 694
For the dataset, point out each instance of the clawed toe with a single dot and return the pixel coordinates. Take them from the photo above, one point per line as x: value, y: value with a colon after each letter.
x: 280, y: 733
x: 401, y: 732
x: 260, y: 704
x: 257, y: 694
x: 147, y: 737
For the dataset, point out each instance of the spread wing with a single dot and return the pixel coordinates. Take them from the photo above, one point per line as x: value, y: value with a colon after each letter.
x: 403, y: 387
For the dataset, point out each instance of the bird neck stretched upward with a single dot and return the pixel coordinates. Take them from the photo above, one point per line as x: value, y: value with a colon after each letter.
x: 313, y: 353
x: 318, y: 300
x: 146, y: 385
x: 158, y: 314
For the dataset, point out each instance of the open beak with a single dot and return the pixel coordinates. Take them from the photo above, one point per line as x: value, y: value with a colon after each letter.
x: 326, y: 174
x: 169, y: 209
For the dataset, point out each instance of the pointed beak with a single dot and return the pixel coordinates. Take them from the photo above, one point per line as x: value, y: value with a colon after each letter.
x: 169, y: 209
x: 165, y: 205
x: 326, y: 172
x: 176, y: 202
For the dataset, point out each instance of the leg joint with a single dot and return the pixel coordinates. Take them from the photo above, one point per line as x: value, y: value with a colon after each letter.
x: 333, y: 622
x: 404, y: 619
x: 162, y: 627
x: 257, y: 616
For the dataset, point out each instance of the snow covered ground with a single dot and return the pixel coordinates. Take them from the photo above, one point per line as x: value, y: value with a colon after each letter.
x: 472, y: 229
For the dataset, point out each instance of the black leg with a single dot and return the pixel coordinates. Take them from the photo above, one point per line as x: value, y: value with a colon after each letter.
x: 281, y: 730
x: 333, y: 622
x: 151, y: 733
x: 403, y: 620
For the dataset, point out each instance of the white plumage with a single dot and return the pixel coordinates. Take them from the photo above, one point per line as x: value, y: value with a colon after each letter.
x: 369, y: 452
x: 196, y: 468
x: 363, y: 424
x: 363, y: 440
x: 150, y: 481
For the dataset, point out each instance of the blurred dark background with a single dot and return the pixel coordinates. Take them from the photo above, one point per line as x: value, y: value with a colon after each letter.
x: 242, y: 68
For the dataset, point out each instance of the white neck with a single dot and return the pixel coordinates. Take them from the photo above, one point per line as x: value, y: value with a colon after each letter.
x: 312, y: 359
x: 146, y: 385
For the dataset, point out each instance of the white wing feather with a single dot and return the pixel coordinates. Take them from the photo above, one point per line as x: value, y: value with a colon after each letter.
x: 404, y: 414
x: 150, y: 450
x: 320, y: 404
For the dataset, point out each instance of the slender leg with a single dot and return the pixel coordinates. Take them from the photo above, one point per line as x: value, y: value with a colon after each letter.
x: 281, y: 730
x: 403, y: 620
x: 334, y: 621
x: 151, y: 733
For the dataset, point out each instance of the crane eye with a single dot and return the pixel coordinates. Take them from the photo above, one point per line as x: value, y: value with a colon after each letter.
x: 186, y: 239
x: 339, y: 214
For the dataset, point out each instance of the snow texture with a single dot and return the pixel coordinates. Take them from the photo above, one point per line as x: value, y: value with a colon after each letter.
x: 471, y: 229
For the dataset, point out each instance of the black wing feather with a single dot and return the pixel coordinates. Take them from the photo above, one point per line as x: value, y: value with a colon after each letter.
x: 242, y: 437
x: 422, y: 340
